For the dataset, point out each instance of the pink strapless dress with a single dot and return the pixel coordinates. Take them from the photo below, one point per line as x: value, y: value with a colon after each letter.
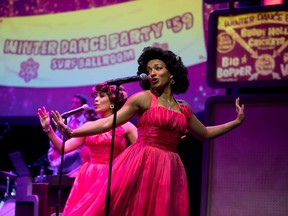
x: 90, y: 172
x: 148, y: 178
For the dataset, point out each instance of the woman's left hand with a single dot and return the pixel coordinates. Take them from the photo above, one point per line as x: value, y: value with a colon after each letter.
x: 61, y: 127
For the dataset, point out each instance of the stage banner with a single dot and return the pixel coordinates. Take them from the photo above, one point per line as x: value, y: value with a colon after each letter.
x: 90, y: 46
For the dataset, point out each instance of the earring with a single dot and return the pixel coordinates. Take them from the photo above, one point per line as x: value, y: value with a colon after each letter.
x: 172, y: 81
x: 112, y: 106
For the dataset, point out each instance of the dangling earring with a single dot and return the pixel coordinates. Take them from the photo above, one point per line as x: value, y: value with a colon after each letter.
x: 172, y: 81
x: 112, y: 106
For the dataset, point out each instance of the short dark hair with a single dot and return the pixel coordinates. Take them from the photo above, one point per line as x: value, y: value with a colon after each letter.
x: 82, y: 98
x: 173, y: 63
x: 111, y: 91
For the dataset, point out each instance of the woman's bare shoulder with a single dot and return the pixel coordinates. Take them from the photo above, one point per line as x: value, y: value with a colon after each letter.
x: 141, y: 99
x: 142, y: 94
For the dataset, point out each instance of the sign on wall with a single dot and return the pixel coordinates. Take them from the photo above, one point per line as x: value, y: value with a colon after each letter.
x: 248, y: 47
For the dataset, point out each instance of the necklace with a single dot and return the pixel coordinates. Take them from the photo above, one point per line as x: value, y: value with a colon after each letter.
x: 170, y: 105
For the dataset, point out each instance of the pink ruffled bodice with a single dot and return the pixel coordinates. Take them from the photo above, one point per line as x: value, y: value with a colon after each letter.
x: 100, y: 145
x: 163, y: 128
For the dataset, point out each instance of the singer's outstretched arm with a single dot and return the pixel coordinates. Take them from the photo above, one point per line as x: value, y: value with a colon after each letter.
x: 138, y: 104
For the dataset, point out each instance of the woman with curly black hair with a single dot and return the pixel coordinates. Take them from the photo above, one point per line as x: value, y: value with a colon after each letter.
x: 148, y: 178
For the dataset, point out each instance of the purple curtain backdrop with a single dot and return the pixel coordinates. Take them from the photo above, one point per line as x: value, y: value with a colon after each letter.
x: 246, y: 169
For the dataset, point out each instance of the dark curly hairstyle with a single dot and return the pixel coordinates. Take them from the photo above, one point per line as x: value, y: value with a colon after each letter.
x: 111, y: 91
x: 173, y: 63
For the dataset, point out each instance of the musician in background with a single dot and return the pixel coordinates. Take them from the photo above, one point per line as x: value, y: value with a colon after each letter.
x: 72, y: 160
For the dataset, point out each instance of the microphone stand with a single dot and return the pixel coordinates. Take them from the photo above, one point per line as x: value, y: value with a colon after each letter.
x: 107, y: 202
x: 59, y: 197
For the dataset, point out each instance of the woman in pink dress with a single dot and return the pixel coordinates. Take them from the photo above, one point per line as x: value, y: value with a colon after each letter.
x: 148, y: 178
x: 98, y: 146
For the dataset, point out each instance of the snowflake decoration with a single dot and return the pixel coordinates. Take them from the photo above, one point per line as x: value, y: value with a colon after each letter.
x: 29, y: 70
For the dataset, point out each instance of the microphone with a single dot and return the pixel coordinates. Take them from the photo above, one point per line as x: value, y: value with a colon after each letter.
x: 141, y: 77
x: 71, y: 112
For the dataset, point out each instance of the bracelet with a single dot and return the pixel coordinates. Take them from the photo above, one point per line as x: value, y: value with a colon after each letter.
x: 47, y: 130
x: 70, y: 132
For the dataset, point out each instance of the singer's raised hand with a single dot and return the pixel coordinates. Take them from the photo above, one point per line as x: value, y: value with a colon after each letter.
x: 239, y: 110
x: 44, y: 118
x: 61, y: 127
